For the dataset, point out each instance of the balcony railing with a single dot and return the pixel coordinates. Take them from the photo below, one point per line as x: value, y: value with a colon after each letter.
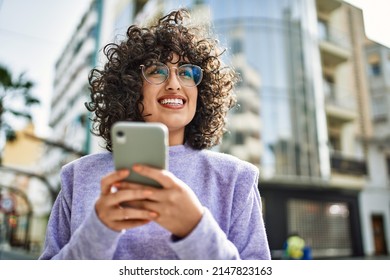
x: 334, y: 36
x: 339, y: 96
x: 347, y: 165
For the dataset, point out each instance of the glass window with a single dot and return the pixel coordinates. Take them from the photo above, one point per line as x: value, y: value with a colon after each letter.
x: 239, y: 138
x: 322, y: 30
x: 379, y: 108
x: 375, y: 69
x: 335, y: 142
x: 236, y: 46
x: 138, y: 6
x: 278, y: 59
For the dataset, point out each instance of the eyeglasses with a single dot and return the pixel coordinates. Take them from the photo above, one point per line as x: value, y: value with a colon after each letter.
x: 157, y: 73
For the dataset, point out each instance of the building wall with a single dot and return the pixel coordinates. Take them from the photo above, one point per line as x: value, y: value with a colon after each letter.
x: 21, y: 181
x: 24, y: 152
x: 374, y: 202
x: 375, y: 199
x: 358, y: 39
x: 275, y: 41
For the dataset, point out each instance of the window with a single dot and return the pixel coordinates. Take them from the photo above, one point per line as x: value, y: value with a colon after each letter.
x: 379, y: 108
x: 335, y: 143
x: 322, y: 30
x: 92, y: 32
x: 237, y: 46
x: 374, y: 65
x: 375, y: 69
x: 239, y: 138
x: 329, y: 86
x: 138, y: 6
x: 77, y: 48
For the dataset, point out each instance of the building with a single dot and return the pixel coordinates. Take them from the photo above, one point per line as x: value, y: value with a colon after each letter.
x: 311, y: 164
x: 70, y: 137
x: 102, y: 23
x: 375, y: 199
x: 25, y: 199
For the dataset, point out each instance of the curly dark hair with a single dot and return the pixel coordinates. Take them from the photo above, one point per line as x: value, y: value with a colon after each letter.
x: 116, y: 90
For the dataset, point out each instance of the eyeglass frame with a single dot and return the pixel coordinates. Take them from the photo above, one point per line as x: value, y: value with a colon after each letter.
x: 142, y: 66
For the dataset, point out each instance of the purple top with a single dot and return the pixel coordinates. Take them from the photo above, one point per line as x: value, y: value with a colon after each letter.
x: 231, y: 227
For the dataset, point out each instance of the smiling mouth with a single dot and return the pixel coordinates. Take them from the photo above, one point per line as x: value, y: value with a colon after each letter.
x: 172, y: 101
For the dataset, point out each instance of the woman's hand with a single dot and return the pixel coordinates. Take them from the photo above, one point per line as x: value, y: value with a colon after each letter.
x: 108, y: 206
x: 177, y: 207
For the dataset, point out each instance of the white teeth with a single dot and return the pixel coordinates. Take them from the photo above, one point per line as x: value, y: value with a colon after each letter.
x: 173, y: 101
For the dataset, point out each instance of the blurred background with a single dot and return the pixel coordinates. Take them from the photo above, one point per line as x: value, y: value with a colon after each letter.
x: 313, y: 114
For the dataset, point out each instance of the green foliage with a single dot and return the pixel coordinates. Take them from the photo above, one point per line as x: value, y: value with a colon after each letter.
x: 12, y: 89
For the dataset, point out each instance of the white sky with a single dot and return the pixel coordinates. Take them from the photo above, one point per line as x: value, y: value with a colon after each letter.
x: 376, y: 15
x: 33, y: 33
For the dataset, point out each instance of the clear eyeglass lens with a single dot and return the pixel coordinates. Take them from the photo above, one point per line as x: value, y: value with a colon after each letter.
x: 189, y: 75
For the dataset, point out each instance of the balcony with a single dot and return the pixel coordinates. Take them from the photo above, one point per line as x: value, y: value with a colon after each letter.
x: 332, y: 55
x: 340, y: 104
x: 347, y: 165
x: 335, y: 46
x: 328, y: 6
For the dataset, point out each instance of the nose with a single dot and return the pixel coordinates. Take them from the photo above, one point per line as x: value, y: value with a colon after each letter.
x: 173, y: 82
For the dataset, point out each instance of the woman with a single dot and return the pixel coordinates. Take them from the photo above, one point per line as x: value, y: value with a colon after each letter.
x: 209, y: 206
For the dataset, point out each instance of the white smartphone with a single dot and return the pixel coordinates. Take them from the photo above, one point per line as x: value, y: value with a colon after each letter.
x: 139, y: 142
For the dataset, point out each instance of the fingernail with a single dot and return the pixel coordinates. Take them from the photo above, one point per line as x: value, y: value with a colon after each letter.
x: 148, y: 193
x: 137, y: 167
x: 153, y: 214
x: 124, y: 172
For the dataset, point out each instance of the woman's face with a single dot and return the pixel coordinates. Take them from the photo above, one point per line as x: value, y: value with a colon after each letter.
x: 170, y: 103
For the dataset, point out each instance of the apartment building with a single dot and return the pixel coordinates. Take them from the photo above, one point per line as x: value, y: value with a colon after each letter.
x: 306, y: 103
x: 103, y: 22
x: 375, y: 199
x: 70, y: 137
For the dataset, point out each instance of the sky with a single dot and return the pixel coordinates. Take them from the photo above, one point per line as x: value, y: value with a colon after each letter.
x: 33, y: 33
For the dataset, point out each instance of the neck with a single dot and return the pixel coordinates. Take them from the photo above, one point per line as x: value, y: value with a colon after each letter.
x: 176, y: 138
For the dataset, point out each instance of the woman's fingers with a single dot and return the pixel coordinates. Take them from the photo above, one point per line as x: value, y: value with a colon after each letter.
x: 125, y: 195
x: 124, y: 213
x: 164, y: 177
x: 108, y: 181
x: 119, y: 218
x: 108, y: 206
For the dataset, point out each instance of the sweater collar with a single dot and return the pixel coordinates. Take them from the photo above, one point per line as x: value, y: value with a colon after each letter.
x: 180, y: 150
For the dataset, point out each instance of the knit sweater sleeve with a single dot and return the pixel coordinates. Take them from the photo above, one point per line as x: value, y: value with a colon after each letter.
x: 246, y: 238
x: 206, y: 242
x: 247, y: 229
x: 91, y: 240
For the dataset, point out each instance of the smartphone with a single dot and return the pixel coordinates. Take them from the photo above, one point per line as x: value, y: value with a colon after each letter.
x: 139, y: 142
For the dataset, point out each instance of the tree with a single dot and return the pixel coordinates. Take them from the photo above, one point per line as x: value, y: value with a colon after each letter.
x: 14, y: 91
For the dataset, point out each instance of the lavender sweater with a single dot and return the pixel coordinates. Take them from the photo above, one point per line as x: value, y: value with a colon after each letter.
x: 232, y: 226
